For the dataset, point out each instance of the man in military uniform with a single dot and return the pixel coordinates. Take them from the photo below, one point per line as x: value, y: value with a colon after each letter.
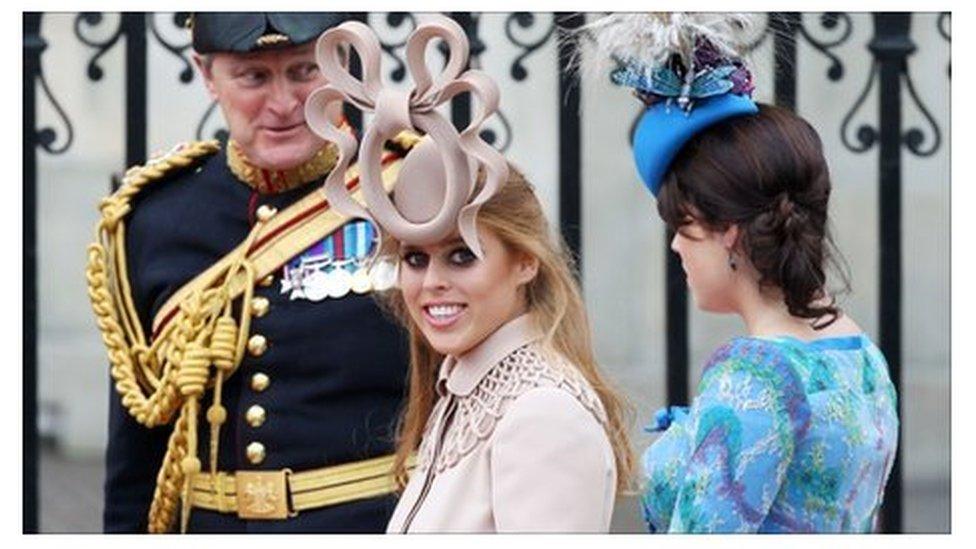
x: 256, y: 381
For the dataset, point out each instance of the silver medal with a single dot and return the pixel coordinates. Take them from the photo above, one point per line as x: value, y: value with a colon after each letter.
x: 293, y: 289
x: 361, y: 283
x: 383, y: 275
x: 340, y: 282
x: 315, y: 286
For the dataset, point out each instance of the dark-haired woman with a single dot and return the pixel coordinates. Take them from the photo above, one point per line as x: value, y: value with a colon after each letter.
x: 794, y: 425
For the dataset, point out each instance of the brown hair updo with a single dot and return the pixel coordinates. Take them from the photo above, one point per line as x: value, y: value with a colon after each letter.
x: 767, y: 174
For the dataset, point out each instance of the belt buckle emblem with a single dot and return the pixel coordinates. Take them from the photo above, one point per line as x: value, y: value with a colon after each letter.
x: 262, y: 494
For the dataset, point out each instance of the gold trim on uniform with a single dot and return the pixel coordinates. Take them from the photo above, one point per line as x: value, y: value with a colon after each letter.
x: 256, y: 416
x: 260, y: 494
x: 260, y: 382
x: 260, y: 306
x: 272, y: 40
x: 266, y: 281
x: 257, y: 345
x: 275, y: 181
x: 266, y: 212
x: 255, y: 453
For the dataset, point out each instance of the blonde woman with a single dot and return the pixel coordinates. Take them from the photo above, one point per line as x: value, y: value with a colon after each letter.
x: 516, y: 427
x: 513, y: 426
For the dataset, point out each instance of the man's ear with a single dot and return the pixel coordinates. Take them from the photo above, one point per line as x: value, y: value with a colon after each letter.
x: 206, y: 70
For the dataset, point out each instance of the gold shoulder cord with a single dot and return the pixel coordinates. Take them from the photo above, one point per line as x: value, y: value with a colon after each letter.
x: 156, y: 380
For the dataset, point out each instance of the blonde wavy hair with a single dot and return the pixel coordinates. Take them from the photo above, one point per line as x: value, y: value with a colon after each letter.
x: 554, y: 300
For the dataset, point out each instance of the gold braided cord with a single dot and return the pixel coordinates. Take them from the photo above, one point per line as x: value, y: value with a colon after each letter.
x: 158, y: 380
x: 169, y: 480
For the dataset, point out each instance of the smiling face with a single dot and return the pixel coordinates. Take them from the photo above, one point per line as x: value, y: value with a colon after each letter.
x: 458, y: 300
x: 705, y: 260
x: 262, y: 96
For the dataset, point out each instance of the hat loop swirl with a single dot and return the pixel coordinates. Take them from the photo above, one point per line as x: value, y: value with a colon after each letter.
x: 460, y: 155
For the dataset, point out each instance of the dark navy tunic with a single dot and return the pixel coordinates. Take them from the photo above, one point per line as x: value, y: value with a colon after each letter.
x: 337, y: 367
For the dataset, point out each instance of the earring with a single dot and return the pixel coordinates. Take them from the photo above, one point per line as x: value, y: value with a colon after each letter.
x: 732, y: 264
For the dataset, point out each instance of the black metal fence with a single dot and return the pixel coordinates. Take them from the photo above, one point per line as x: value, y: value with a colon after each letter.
x: 891, y: 46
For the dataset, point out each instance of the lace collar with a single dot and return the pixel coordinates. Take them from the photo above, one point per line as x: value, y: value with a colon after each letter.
x: 462, y: 374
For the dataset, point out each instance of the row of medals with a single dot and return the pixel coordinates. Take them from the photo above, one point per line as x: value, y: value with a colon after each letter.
x: 320, y: 284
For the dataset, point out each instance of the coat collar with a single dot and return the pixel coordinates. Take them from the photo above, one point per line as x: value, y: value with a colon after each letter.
x: 460, y: 375
x: 277, y: 181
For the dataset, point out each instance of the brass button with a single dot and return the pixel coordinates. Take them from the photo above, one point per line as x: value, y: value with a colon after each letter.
x: 266, y: 212
x: 260, y: 382
x: 260, y: 306
x: 267, y: 281
x: 257, y: 345
x: 255, y: 416
x: 255, y: 453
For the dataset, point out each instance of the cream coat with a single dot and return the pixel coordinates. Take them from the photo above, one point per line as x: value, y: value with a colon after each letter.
x: 515, y: 443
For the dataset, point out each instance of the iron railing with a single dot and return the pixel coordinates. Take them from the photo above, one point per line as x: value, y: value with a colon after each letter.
x: 891, y: 46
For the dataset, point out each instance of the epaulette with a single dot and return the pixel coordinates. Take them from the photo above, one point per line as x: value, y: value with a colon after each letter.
x: 160, y: 165
x: 115, y: 206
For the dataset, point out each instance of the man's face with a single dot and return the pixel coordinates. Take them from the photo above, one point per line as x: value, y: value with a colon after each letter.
x: 262, y: 96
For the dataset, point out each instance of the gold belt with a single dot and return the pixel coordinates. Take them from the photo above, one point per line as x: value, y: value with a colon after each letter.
x: 282, y: 493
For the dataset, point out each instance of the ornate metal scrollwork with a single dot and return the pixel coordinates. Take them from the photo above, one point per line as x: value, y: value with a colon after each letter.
x: 395, y: 20
x: 766, y: 30
x: 892, y: 45
x: 48, y: 135
x: 469, y: 22
x: 525, y: 20
x: 490, y: 134
x: 498, y: 124
x: 867, y: 136
x: 942, y: 25
x: 220, y: 133
x: 834, y: 22
x: 914, y: 138
x: 93, y: 19
x: 477, y: 44
x: 45, y: 137
x: 178, y: 20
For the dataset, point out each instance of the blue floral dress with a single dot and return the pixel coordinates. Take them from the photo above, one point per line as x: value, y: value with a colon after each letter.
x: 784, y: 436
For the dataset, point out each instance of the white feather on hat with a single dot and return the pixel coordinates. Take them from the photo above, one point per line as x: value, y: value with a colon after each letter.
x: 653, y: 38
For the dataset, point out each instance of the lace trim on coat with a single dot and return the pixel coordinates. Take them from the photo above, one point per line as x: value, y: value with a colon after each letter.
x: 477, y: 414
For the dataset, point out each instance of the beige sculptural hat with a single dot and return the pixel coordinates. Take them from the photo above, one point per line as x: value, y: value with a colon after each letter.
x: 435, y: 189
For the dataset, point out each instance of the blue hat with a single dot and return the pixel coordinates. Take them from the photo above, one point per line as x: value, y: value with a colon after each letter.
x: 687, y: 68
x: 664, y: 129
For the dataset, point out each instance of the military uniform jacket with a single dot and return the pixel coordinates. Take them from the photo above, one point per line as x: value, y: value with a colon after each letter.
x: 326, y: 390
